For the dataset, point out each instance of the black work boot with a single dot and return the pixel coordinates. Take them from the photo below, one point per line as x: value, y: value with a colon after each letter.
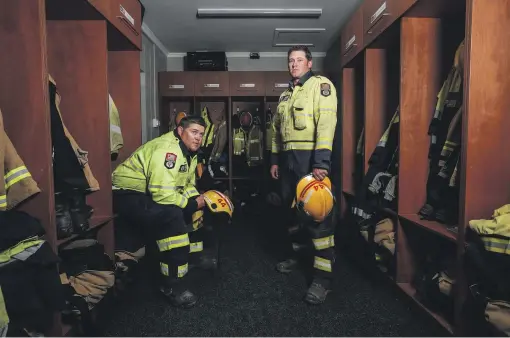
x: 179, y: 296
x: 80, y: 212
x: 63, y: 219
x: 287, y: 266
x: 317, y: 292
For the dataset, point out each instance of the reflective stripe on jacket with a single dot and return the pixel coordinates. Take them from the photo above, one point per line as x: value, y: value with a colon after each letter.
x: 16, y: 182
x: 116, y: 140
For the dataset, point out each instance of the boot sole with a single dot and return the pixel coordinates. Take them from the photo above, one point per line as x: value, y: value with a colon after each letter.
x: 314, y: 301
x: 183, y: 305
x: 285, y: 272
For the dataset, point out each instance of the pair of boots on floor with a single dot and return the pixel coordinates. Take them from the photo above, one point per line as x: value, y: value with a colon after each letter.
x: 179, y: 294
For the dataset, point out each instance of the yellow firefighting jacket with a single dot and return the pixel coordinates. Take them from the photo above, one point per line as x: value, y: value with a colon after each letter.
x: 239, y: 141
x: 220, y: 140
x: 495, y: 233
x: 306, y: 120
x: 80, y: 154
x: 254, y: 151
x: 162, y: 167
x: 16, y: 183
x: 116, y: 140
x: 269, y: 131
x: 209, y: 129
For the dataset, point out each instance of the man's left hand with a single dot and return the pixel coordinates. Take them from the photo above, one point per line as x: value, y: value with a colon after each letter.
x: 319, y: 174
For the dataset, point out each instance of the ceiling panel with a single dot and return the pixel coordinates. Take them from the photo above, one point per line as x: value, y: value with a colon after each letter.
x: 174, y: 22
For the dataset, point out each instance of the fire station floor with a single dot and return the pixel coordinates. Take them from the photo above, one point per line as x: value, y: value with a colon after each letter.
x: 249, y: 298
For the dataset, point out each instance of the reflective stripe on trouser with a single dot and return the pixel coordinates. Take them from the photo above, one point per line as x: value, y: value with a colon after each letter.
x: 196, y: 248
x: 323, y: 238
x: 174, y: 255
x: 497, y: 244
x: 182, y: 270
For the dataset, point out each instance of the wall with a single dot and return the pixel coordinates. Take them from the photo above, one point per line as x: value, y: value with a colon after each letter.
x: 333, y: 70
x: 244, y: 63
x: 153, y: 60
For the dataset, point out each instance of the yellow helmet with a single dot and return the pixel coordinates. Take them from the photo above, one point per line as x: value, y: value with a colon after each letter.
x: 314, y: 198
x: 197, y: 219
x: 218, y: 202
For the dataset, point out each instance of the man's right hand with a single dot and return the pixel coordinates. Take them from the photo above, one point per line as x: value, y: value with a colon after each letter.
x: 274, y: 172
x: 200, y: 201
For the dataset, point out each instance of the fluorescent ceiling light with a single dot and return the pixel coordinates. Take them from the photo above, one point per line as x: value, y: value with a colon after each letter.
x: 293, y: 44
x: 258, y: 13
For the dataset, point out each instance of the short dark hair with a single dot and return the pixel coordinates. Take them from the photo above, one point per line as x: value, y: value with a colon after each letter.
x: 186, y: 121
x: 300, y: 48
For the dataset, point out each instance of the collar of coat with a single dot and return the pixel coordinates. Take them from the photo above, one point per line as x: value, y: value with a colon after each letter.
x: 302, y: 80
x: 185, y: 151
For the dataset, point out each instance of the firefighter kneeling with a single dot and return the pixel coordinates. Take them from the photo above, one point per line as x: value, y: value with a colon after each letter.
x: 313, y: 206
x: 155, y: 189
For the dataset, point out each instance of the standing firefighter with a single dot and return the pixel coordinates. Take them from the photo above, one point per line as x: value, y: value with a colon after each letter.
x: 304, y: 128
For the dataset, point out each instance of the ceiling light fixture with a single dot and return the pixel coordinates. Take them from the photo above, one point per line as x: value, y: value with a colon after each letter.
x: 258, y: 13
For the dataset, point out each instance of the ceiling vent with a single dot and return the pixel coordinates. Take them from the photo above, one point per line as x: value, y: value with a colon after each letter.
x: 288, y: 37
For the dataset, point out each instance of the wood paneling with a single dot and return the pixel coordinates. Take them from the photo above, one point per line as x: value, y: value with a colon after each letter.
x: 376, y: 86
x: 24, y: 99
x: 124, y: 87
x: 125, y: 16
x: 211, y: 84
x: 378, y: 15
x: 420, y: 51
x: 68, y: 39
x: 176, y: 84
x: 247, y: 83
x: 348, y: 130
x: 77, y: 59
x: 420, y: 56
x: 352, y: 37
x: 429, y: 33
x: 276, y: 83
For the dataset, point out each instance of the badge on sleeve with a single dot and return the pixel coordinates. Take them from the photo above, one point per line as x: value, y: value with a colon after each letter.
x: 183, y: 168
x: 325, y: 89
x: 284, y: 98
x: 170, y: 160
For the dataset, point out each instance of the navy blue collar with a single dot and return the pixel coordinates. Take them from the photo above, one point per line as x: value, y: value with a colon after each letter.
x: 302, y: 80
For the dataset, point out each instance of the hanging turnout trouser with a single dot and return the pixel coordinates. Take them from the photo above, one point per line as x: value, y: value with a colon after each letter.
x: 320, y: 234
x: 165, y: 227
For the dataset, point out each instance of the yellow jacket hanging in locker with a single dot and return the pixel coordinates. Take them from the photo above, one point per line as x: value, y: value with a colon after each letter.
x: 16, y: 183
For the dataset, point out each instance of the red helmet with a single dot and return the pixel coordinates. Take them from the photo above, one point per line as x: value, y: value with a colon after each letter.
x: 246, y: 119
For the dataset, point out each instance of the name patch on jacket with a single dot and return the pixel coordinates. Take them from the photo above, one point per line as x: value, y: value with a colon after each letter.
x: 325, y: 89
x: 170, y: 159
x: 183, y: 168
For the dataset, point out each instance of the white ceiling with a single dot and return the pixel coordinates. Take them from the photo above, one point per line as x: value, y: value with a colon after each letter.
x: 174, y: 22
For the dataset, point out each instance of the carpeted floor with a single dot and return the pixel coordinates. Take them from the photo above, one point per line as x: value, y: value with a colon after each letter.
x: 249, y: 298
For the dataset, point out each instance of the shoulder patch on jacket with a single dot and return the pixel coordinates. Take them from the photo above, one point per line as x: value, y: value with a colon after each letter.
x: 170, y: 160
x: 325, y: 89
x: 284, y: 98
